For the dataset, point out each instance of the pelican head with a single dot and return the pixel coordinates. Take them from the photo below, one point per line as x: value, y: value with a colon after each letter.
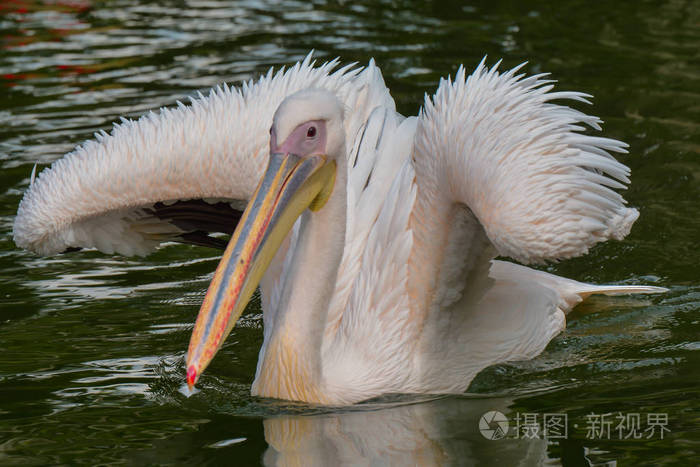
x: 306, y: 142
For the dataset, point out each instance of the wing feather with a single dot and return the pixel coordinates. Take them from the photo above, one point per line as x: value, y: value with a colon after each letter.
x: 100, y: 194
x: 501, y: 169
x: 541, y: 189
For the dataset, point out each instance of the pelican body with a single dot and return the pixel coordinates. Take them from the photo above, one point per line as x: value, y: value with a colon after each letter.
x: 372, y: 236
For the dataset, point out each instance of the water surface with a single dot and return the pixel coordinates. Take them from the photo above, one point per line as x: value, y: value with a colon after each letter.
x: 92, y: 346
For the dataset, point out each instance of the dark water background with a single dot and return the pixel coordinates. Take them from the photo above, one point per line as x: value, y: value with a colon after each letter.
x: 92, y: 346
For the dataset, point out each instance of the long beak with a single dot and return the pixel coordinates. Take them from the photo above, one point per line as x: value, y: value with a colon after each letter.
x: 291, y: 184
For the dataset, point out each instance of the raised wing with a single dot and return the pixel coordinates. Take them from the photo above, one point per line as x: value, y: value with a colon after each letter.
x: 501, y: 170
x: 540, y: 188
x: 177, y: 175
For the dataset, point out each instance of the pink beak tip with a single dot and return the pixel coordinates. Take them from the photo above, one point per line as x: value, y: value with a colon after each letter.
x: 191, y: 376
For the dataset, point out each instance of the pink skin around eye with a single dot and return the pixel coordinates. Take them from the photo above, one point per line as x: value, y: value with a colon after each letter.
x: 306, y: 139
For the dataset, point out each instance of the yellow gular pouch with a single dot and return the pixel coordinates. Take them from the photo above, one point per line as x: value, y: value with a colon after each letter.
x: 327, y: 187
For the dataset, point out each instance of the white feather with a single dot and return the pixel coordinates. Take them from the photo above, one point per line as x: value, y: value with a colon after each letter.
x: 538, y: 186
x: 215, y: 148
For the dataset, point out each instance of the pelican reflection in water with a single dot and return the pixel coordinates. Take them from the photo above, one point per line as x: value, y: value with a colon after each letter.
x: 443, y: 431
x: 372, y: 235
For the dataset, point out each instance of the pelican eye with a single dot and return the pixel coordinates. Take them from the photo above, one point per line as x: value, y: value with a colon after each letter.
x: 311, y: 132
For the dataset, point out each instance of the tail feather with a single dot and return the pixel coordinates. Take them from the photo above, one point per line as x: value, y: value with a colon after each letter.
x: 570, y: 291
x: 587, y: 289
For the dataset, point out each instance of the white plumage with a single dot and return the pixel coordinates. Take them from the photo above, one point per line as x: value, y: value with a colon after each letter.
x: 214, y: 148
x: 412, y: 300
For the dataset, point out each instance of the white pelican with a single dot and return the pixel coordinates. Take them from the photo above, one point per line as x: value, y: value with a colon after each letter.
x: 372, y: 236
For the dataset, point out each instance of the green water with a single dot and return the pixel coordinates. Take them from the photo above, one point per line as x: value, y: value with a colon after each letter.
x: 92, y: 346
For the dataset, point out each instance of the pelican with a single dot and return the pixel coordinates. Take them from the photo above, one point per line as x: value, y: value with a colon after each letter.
x: 371, y: 235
